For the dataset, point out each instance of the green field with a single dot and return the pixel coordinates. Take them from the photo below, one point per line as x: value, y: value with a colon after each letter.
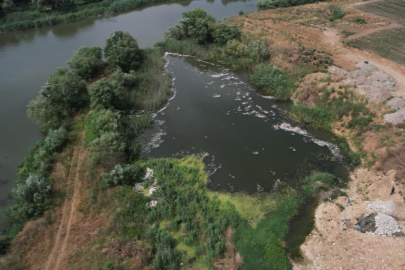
x: 389, y: 43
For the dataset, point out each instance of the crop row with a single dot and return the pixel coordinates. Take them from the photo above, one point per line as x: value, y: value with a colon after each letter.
x: 391, y: 9
x: 389, y: 44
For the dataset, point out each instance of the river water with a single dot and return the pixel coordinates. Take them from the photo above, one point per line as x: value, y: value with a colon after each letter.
x: 247, y: 142
x: 28, y: 58
x: 249, y: 145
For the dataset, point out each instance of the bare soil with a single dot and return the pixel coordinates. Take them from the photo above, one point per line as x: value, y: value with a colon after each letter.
x: 57, y: 258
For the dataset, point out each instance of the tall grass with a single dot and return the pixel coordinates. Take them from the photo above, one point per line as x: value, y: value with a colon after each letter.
x: 25, y: 20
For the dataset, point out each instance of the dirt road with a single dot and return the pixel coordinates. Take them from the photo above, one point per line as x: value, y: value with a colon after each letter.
x: 57, y: 259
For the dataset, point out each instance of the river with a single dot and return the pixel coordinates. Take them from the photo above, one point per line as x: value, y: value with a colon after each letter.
x: 28, y: 58
x: 249, y: 145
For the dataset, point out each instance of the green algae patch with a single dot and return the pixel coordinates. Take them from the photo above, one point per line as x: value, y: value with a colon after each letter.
x: 251, y: 207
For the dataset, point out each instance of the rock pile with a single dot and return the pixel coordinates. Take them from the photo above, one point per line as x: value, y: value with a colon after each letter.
x: 378, y: 87
x: 395, y: 118
x: 386, y: 225
x: 387, y: 207
x: 396, y: 103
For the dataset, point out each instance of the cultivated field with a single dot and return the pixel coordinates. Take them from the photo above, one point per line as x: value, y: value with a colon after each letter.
x: 387, y: 43
x: 391, y: 9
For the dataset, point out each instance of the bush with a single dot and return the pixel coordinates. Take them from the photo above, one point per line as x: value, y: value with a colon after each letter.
x: 360, y: 20
x: 107, y: 142
x: 316, y: 117
x: 222, y: 33
x: 176, y: 32
x: 236, y: 49
x: 276, y: 255
x: 42, y: 156
x: 272, y: 4
x: 30, y: 198
x: 336, y: 13
x: 122, y: 51
x: 87, y: 61
x: 123, y: 175
x: 272, y: 80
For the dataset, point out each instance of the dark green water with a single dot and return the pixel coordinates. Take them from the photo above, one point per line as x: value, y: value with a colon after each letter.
x: 28, y: 58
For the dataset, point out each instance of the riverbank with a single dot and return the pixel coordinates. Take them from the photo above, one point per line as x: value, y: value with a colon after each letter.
x: 333, y: 243
x: 311, y: 49
x: 109, y: 202
x: 25, y: 20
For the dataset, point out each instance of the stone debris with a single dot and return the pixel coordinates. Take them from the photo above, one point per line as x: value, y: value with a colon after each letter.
x: 149, y: 174
x: 387, y: 207
x: 337, y: 71
x: 395, y: 118
x: 151, y: 191
x: 375, y: 84
x: 151, y: 204
x: 386, y: 225
x: 396, y: 103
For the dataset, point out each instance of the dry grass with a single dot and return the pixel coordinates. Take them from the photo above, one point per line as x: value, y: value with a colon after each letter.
x: 396, y: 161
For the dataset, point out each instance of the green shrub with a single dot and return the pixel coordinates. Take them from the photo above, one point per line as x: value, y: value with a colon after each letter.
x: 31, y: 198
x: 336, y: 13
x: 41, y: 158
x: 123, y: 175
x: 316, y: 117
x: 276, y: 255
x: 108, y: 146
x: 222, y: 33
x: 87, y: 62
x: 272, y: 4
x: 360, y: 20
x: 273, y: 81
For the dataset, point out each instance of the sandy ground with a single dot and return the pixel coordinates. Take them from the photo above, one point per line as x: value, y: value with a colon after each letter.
x: 335, y: 245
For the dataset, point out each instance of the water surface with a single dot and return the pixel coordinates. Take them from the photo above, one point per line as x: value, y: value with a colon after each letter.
x: 249, y: 144
x: 28, y: 58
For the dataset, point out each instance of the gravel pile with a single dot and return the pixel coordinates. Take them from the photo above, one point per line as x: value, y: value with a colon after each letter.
x: 387, y: 207
x: 386, y: 225
x: 377, y: 85
x: 396, y: 103
x: 395, y: 118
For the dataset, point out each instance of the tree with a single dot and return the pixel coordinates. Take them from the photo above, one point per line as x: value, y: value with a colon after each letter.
x: 197, y: 24
x: 176, y: 31
x: 102, y: 95
x: 122, y: 52
x: 53, y: 4
x: 108, y: 145
x: 62, y: 95
x: 87, y: 61
x: 6, y: 5
x: 30, y: 198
